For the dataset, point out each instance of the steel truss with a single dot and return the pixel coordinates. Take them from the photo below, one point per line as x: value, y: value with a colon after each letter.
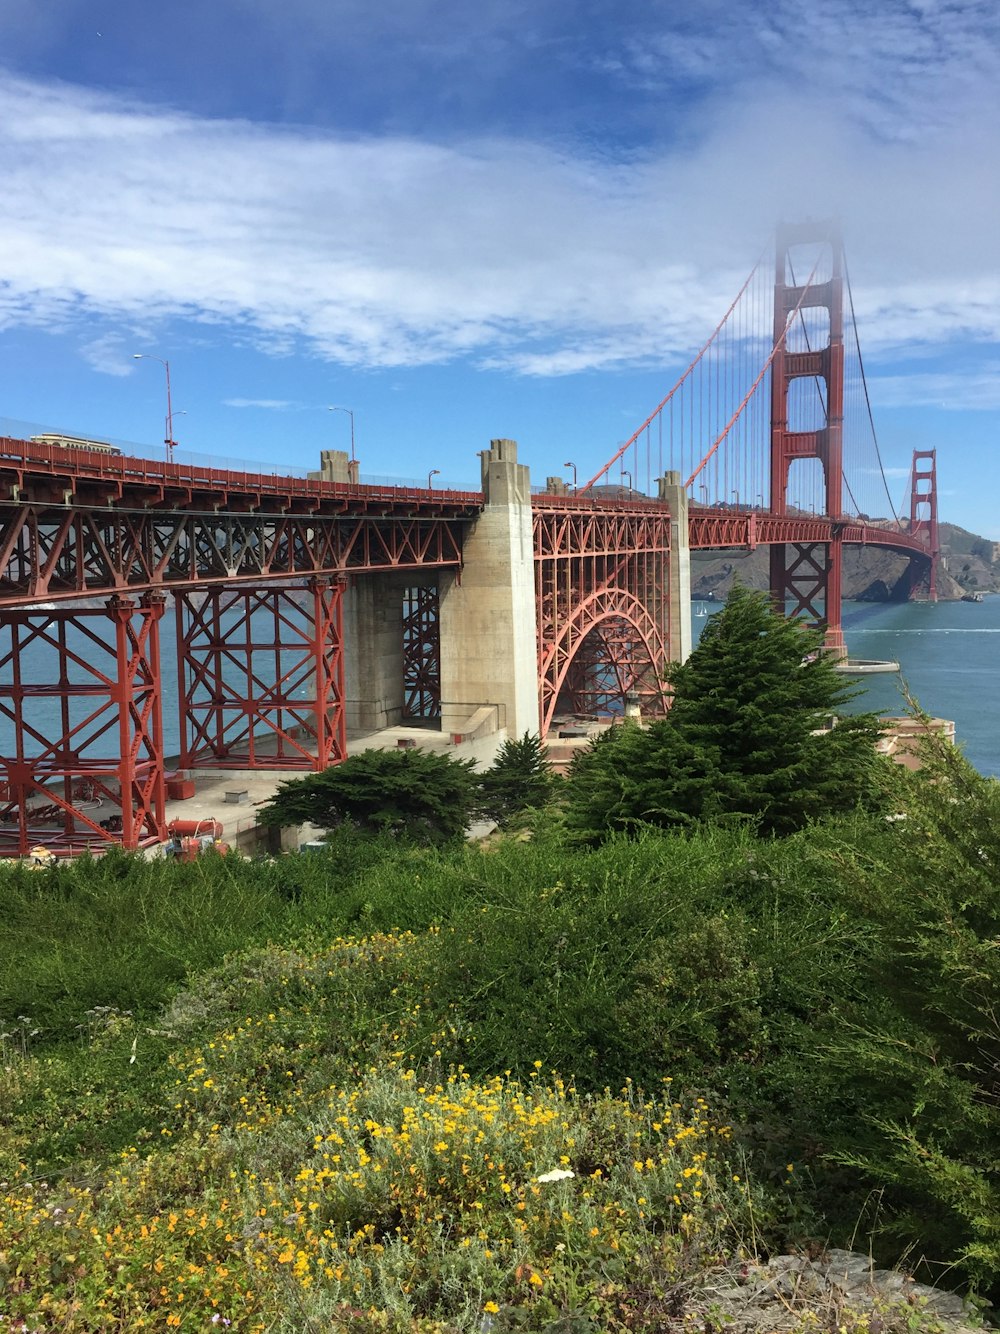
x: 601, y: 579
x: 88, y: 766
x: 421, y: 653
x: 64, y: 551
x: 261, y: 674
x: 804, y: 576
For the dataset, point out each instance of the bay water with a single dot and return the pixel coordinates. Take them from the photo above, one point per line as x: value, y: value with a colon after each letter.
x: 949, y: 657
x: 948, y: 654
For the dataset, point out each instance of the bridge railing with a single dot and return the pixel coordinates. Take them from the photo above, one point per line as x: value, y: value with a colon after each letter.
x: 96, y: 465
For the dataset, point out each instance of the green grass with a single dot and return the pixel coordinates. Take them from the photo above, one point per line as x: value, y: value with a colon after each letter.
x: 201, y: 1014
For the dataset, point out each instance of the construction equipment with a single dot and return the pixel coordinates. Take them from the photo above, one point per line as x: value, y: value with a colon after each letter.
x: 190, y: 838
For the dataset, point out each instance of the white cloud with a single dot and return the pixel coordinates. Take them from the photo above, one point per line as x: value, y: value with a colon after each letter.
x: 893, y: 473
x: 108, y: 355
x: 976, y: 388
x: 390, y: 251
x: 899, y: 69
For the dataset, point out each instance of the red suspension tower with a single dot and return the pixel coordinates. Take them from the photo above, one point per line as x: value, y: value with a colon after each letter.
x: 923, y: 512
x: 806, y: 576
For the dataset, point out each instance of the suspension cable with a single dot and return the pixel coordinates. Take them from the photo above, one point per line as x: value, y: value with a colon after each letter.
x: 663, y: 403
x: 864, y: 383
x: 778, y: 342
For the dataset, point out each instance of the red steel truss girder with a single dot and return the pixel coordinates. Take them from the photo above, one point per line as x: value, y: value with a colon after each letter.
x: 586, y: 531
x: 611, y: 665
x: 608, y: 608
x: 601, y: 571
x: 421, y: 652
x: 75, y: 552
x: 732, y: 528
x: 107, y: 696
x: 233, y: 714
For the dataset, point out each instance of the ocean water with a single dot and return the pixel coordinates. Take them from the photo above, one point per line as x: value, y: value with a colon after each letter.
x: 949, y: 658
x: 948, y: 652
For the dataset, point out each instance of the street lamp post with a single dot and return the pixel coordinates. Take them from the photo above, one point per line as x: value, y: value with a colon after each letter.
x: 350, y: 413
x: 737, y: 495
x: 570, y: 464
x: 703, y: 488
x: 626, y: 473
x: 169, y: 441
x: 434, y: 472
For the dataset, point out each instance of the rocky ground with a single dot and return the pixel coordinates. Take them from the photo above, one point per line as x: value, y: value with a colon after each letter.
x: 835, y: 1291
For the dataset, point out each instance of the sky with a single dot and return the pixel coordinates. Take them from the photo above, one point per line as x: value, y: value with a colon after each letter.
x: 463, y: 221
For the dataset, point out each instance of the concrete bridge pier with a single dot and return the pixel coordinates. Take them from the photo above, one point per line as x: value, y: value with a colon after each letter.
x: 672, y: 493
x: 392, y: 651
x: 489, y: 653
x: 373, y: 651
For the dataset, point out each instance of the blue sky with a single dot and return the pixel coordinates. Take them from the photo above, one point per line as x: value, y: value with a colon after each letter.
x: 466, y: 221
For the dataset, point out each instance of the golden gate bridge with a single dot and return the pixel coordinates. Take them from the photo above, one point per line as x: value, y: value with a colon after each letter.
x: 291, y: 596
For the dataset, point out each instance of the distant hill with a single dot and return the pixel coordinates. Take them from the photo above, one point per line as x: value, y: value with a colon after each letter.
x: 871, y: 574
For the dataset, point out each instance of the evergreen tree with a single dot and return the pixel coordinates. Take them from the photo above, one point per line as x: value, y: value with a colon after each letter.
x: 629, y: 777
x: 747, y: 735
x: 759, y: 694
x: 521, y: 779
x: 412, y: 794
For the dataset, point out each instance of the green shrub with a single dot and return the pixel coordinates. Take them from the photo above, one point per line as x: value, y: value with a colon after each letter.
x: 124, y: 932
x: 410, y: 794
x: 924, y: 1071
x: 520, y: 779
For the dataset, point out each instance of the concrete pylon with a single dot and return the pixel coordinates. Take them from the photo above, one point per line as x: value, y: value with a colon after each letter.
x: 674, y: 496
x: 335, y: 466
x: 373, y: 651
x: 489, y: 654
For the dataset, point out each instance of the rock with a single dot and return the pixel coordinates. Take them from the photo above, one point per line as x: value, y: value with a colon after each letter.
x: 793, y: 1292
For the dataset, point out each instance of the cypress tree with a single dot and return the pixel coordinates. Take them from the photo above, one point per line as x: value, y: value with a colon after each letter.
x: 759, y: 693
x: 521, y: 779
x: 629, y: 777
x: 748, y: 735
x: 408, y: 794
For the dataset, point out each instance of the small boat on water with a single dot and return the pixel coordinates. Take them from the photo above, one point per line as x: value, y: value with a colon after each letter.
x: 972, y: 597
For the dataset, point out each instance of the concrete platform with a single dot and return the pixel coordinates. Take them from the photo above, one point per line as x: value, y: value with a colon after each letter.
x: 866, y: 666
x: 239, y: 820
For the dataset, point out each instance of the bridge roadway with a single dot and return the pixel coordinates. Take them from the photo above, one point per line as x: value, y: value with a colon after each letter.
x: 80, y: 524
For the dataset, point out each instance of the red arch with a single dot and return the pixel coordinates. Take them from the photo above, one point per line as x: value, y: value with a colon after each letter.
x: 556, y: 654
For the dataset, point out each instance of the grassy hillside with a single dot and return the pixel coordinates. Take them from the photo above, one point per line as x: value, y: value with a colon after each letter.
x: 526, y: 1087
